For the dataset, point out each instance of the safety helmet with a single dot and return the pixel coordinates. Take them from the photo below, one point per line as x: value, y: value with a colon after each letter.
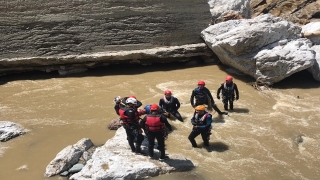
x: 131, y: 101
x: 201, y: 83
x: 229, y: 78
x: 134, y: 97
x: 154, y: 107
x: 200, y: 108
x: 147, y: 108
x: 167, y: 92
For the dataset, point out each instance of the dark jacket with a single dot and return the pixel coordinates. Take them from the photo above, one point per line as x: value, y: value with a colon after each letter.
x: 171, y: 104
x: 228, y: 90
x: 201, y: 96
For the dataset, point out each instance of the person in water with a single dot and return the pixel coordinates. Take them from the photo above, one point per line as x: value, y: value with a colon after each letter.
x: 170, y: 105
x: 202, y: 96
x: 201, y: 122
x: 229, y: 91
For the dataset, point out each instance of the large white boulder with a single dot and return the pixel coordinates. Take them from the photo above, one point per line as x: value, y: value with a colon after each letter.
x: 114, y: 160
x: 267, y: 48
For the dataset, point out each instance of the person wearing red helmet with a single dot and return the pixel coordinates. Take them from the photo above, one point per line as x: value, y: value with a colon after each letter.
x: 229, y: 93
x: 202, y: 96
x: 154, y: 126
x: 170, y: 105
x: 121, y: 102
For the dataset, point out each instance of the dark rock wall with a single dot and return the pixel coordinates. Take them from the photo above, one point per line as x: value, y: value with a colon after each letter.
x: 36, y: 28
x: 297, y: 11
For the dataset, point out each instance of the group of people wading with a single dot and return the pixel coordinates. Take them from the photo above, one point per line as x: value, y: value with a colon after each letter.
x: 155, y: 124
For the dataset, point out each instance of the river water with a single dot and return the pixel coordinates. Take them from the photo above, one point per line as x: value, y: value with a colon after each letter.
x: 258, y: 140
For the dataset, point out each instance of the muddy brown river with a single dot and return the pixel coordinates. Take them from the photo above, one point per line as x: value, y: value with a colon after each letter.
x: 258, y: 140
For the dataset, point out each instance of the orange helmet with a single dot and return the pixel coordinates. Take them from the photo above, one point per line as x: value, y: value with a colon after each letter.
x: 167, y: 92
x: 134, y: 97
x: 154, y: 107
x: 201, y: 83
x: 200, y: 108
x: 229, y: 78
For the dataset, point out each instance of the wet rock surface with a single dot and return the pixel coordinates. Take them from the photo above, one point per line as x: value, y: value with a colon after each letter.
x: 10, y: 130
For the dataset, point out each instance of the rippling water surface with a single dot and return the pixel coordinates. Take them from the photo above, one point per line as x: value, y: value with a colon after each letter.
x: 258, y: 140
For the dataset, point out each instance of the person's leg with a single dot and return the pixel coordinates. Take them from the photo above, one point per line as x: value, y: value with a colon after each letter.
x: 139, y: 142
x: 151, y: 143
x: 191, y: 137
x: 215, y: 107
x: 225, y: 102
x: 177, y: 115
x: 160, y: 140
x: 130, y: 138
x: 205, y: 138
x: 231, y: 104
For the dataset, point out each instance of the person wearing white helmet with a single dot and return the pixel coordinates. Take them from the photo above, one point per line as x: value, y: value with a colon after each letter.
x: 130, y: 117
x: 121, y: 102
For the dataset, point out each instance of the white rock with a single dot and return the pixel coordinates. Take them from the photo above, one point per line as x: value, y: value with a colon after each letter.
x: 9, y: 130
x: 66, y: 158
x: 257, y: 47
x: 114, y: 160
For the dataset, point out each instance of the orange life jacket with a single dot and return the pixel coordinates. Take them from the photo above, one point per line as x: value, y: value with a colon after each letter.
x: 153, y: 123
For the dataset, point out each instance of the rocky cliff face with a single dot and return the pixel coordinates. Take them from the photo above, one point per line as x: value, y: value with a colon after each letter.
x: 73, y: 35
x: 34, y: 28
x: 297, y: 11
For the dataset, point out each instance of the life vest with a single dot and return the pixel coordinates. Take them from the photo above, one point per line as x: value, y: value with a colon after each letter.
x: 126, y: 119
x: 202, y: 120
x: 168, y: 105
x: 154, y: 124
x: 228, y: 91
x: 201, y: 96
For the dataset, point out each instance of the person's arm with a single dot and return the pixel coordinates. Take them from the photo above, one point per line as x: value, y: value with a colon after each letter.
x: 161, y: 104
x: 166, y: 123
x: 193, y: 122
x: 236, y: 90
x: 139, y: 104
x: 143, y: 123
x: 192, y: 98
x: 210, y: 95
x: 177, y: 105
x: 116, y: 108
x: 218, y: 92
